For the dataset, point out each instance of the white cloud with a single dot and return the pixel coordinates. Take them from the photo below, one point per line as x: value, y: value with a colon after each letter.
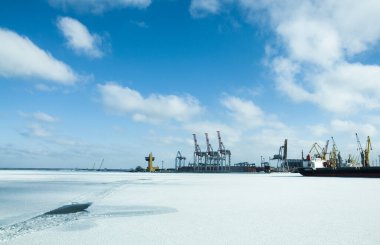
x: 351, y: 127
x: 44, y: 88
x: 155, y: 108
x: 79, y: 38
x: 140, y: 24
x: 319, y: 41
x: 20, y: 57
x: 37, y: 130
x: 244, y: 111
x: 311, y: 41
x: 344, y: 88
x: 247, y: 115
x: 318, y: 130
x: 38, y: 116
x: 200, y: 8
x: 99, y: 6
x: 44, y: 117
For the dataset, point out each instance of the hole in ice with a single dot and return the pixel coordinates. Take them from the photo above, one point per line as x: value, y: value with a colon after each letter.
x: 51, y: 220
x: 37, y: 223
x: 70, y: 208
x: 117, y: 211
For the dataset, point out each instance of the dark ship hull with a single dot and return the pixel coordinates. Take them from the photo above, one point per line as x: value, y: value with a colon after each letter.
x: 361, y: 172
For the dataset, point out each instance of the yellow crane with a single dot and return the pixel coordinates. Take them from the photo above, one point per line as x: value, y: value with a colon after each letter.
x: 335, y: 157
x: 319, y: 151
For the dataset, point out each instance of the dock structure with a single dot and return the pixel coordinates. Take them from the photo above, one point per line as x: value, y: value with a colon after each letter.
x: 282, y: 157
x: 210, y: 160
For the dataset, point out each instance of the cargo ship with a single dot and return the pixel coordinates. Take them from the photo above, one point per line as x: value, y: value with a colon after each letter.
x: 318, y: 168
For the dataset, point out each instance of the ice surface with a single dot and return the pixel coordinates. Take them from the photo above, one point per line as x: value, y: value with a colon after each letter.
x: 145, y: 208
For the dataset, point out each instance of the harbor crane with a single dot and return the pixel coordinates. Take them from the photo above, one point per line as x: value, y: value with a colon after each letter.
x: 335, y: 158
x: 360, y: 149
x: 364, y: 153
x: 101, y: 164
x: 199, y: 156
x: 225, y: 155
x: 212, y: 156
x: 319, y: 152
x: 179, y: 160
x: 211, y: 160
x: 324, y: 151
x: 282, y: 156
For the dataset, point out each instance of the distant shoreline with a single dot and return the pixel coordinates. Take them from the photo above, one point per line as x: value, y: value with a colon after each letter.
x: 72, y: 169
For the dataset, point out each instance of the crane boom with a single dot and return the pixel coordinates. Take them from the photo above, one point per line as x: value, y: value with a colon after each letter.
x: 209, y: 147
x: 358, y: 141
x: 324, y: 152
x: 196, y: 146
x: 221, y: 146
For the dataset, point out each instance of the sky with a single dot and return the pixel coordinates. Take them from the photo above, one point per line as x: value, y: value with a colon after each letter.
x: 83, y: 81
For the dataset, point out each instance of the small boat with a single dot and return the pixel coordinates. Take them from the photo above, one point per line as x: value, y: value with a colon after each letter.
x: 70, y: 208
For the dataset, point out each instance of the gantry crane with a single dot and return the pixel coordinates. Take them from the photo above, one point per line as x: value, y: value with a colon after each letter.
x: 179, y: 160
x: 212, y: 156
x: 199, y: 156
x: 225, y: 155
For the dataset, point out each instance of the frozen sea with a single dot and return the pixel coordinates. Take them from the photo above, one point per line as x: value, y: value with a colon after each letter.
x: 158, y: 208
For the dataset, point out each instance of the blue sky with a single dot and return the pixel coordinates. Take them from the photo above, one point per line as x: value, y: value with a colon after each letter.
x: 117, y: 79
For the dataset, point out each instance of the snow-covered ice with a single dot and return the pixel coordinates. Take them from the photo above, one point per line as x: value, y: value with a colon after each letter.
x: 157, y: 208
